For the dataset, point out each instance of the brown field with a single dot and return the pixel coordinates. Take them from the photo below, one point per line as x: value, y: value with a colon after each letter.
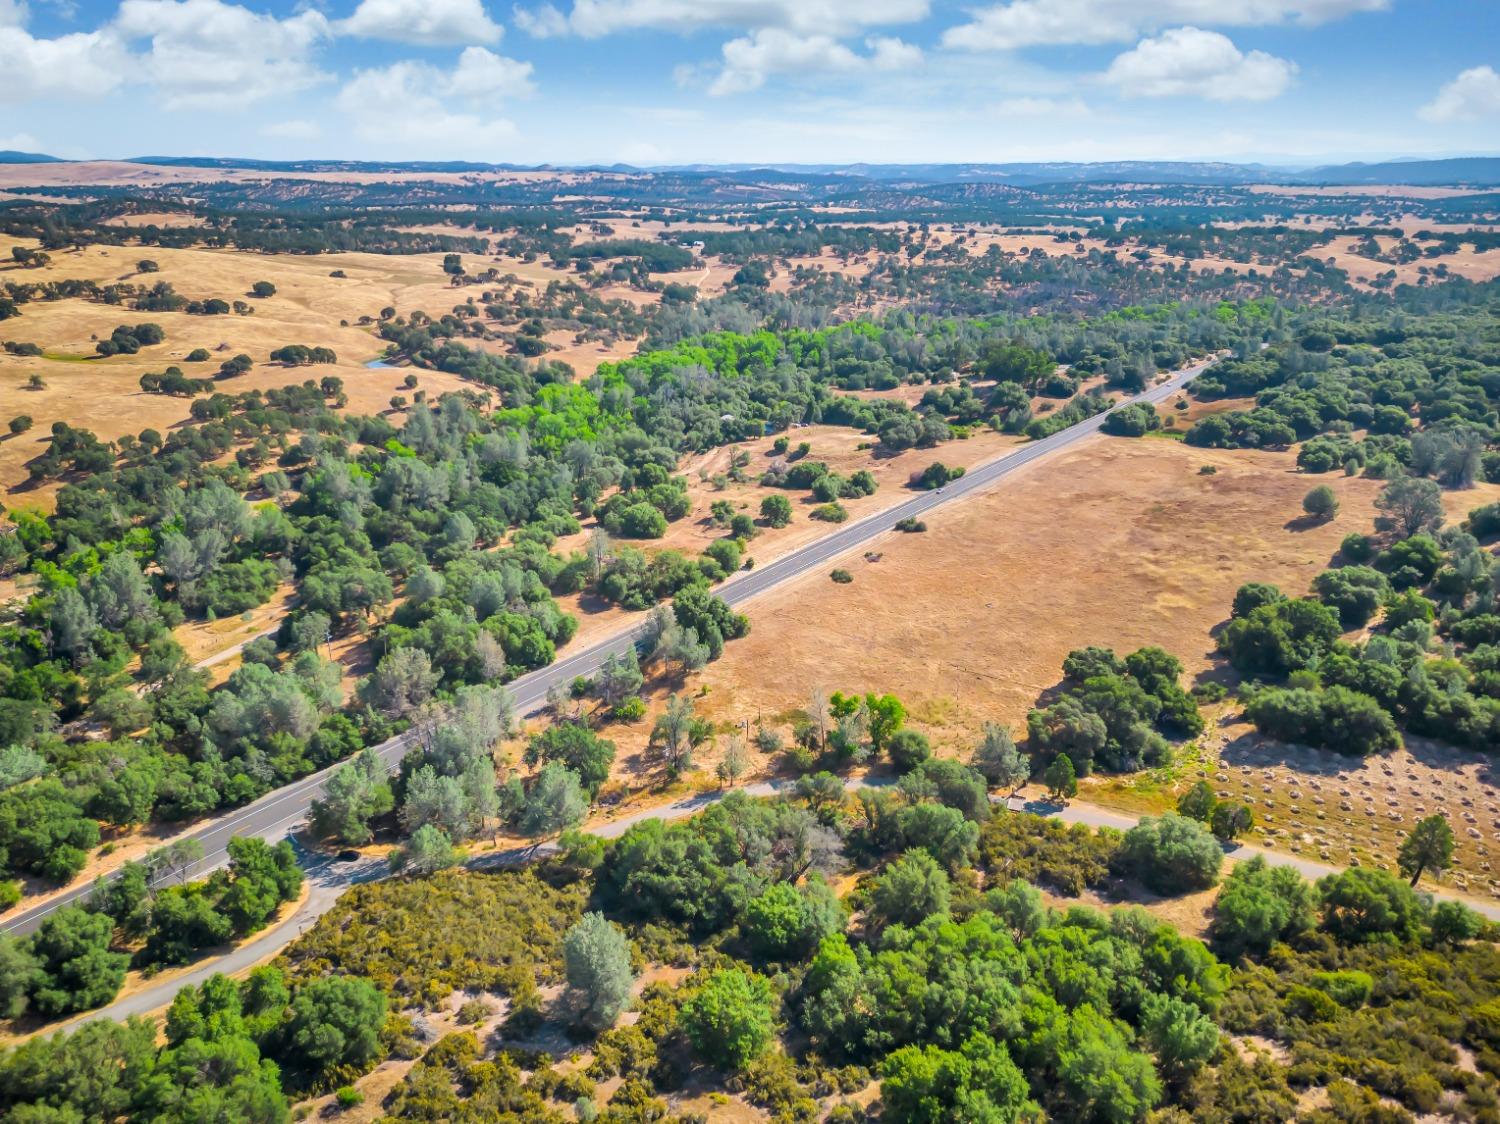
x: 164, y: 219
x: 1466, y: 262
x: 970, y: 621
x: 122, y: 172
x: 837, y: 447
x: 104, y: 395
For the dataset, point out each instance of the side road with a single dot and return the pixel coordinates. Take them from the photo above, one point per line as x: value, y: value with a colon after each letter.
x: 329, y: 879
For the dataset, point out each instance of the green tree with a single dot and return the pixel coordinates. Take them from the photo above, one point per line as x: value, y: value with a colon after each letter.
x: 224, y: 1078
x: 1321, y: 502
x: 976, y: 1083
x: 355, y: 794
x: 1092, y: 1072
x: 1363, y: 904
x: 1230, y: 820
x: 1409, y: 504
x: 577, y: 747
x: 1258, y: 905
x: 261, y: 878
x: 428, y: 850
x: 1172, y: 854
x: 1179, y: 1033
x: 677, y: 732
x: 335, y: 1021
x: 942, y: 832
x: 1428, y: 846
x: 998, y: 761
x: 1060, y: 778
x: 556, y: 801
x: 912, y: 888
x: 596, y: 957
x: 1198, y: 802
x: 786, y: 921
x: 17, y: 969
x: 776, y: 511
x: 730, y: 1019
x: 908, y: 749
x: 75, y: 968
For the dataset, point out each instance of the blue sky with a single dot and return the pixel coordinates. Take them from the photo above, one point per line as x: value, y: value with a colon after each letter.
x: 678, y: 81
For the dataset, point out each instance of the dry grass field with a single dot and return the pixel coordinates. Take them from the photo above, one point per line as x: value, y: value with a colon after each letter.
x: 970, y: 621
x: 104, y: 395
x: 840, y: 448
x: 83, y: 173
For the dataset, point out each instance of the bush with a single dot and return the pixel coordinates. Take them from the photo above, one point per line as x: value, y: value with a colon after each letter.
x: 841, y: 577
x: 1171, y: 854
x: 776, y: 511
x: 935, y: 475
x: 1321, y: 503
x: 729, y: 1020
x: 348, y: 1096
x: 830, y: 513
x: 20, y: 423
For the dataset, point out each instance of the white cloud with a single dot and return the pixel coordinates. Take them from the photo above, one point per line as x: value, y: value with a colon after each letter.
x: 83, y: 65
x: 1473, y: 95
x: 1030, y: 23
x: 482, y: 75
x: 403, y: 106
x: 1190, y: 62
x: 440, y: 23
x: 292, y: 130
x: 750, y: 60
x: 12, y: 13
x: 206, y: 54
x: 20, y: 142
x: 1041, y: 107
x: 594, y: 18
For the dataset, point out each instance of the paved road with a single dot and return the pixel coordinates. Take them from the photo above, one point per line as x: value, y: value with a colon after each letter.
x: 329, y: 879
x: 274, y: 814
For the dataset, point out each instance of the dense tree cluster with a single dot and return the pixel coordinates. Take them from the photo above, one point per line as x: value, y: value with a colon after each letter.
x: 1113, y: 713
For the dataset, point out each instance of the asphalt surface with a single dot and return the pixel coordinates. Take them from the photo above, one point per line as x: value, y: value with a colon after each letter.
x: 274, y: 815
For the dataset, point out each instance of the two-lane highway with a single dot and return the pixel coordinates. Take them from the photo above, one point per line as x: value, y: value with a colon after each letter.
x: 276, y: 813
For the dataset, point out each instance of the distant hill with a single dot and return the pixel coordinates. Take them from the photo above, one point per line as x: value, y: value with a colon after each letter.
x: 1470, y: 171
x: 318, y: 165
x: 1482, y: 171
x: 1478, y: 171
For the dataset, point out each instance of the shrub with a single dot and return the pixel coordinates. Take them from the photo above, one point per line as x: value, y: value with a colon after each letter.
x: 1321, y: 502
x: 908, y: 749
x: 348, y: 1096
x: 842, y: 577
x: 1171, y: 854
x: 830, y: 513
x: 729, y: 1020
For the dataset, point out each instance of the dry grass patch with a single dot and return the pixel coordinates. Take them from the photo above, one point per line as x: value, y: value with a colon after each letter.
x: 978, y: 613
